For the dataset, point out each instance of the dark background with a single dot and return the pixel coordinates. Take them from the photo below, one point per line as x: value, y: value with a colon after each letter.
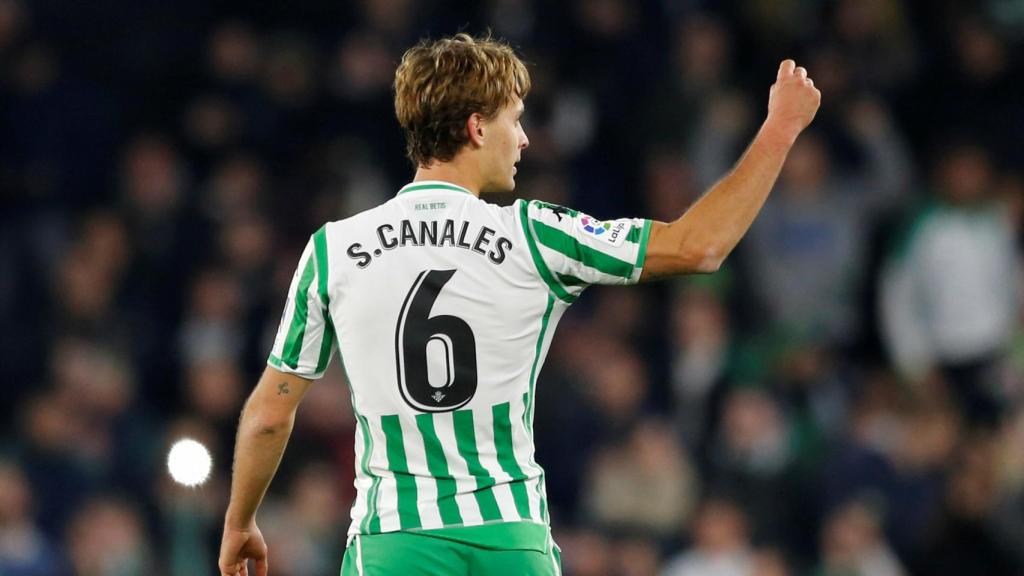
x: 163, y: 163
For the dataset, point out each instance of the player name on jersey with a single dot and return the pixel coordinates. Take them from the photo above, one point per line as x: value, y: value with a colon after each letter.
x: 439, y: 233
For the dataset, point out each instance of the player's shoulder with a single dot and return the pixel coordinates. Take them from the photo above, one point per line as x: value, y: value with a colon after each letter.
x: 547, y: 215
x: 523, y: 208
x: 506, y: 213
x: 543, y: 210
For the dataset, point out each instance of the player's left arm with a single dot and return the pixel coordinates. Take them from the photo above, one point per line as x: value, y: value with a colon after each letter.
x: 263, y: 433
x: 301, y: 353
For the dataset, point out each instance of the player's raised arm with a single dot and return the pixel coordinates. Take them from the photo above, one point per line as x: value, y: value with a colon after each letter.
x: 701, y: 239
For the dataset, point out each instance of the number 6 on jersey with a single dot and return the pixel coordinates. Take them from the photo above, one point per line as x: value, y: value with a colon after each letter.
x: 449, y: 382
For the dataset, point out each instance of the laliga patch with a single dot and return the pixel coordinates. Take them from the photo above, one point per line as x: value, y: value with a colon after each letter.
x: 611, y: 232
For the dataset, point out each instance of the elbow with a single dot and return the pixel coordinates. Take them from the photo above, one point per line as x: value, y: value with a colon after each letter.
x: 677, y: 249
x: 271, y: 427
x: 259, y: 422
x: 703, y: 260
x: 709, y: 265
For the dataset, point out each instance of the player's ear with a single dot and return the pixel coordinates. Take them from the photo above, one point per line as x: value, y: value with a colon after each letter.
x: 475, y: 129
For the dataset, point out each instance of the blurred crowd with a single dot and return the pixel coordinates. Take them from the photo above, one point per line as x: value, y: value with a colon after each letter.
x: 844, y: 398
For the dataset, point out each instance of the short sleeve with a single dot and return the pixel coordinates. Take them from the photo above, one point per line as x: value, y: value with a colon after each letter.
x: 305, y: 338
x: 573, y: 250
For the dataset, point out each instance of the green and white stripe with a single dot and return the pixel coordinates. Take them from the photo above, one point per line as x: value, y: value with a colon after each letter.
x: 568, y: 260
x: 462, y: 468
x: 367, y: 484
x: 305, y: 339
x: 475, y: 466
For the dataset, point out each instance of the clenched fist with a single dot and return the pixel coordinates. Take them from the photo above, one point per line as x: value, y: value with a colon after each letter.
x: 792, y: 101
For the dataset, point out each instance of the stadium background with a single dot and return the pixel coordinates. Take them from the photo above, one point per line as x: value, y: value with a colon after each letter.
x: 162, y: 164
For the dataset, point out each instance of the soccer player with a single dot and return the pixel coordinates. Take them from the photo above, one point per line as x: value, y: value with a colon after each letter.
x: 443, y: 307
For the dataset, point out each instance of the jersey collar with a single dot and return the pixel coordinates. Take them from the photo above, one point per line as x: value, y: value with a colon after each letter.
x: 432, y: 185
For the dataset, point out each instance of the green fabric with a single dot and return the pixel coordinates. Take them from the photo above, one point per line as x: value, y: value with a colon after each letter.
x: 538, y: 261
x: 438, y: 466
x: 320, y: 250
x: 556, y: 208
x: 507, y: 457
x: 293, y: 342
x: 533, y: 460
x: 326, y: 344
x: 637, y: 232
x: 570, y: 280
x: 529, y: 401
x: 371, y: 522
x: 408, y: 511
x: 503, y: 549
x: 496, y: 536
x: 566, y: 245
x: 641, y: 253
x: 536, y: 361
x: 904, y: 238
x: 465, y: 437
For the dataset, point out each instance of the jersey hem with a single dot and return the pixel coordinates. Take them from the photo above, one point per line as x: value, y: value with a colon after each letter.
x: 280, y: 366
x: 494, y: 535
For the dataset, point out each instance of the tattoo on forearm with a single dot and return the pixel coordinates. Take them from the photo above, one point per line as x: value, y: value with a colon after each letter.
x: 282, y: 388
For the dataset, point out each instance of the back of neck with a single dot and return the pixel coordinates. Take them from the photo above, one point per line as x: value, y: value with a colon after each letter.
x: 453, y: 172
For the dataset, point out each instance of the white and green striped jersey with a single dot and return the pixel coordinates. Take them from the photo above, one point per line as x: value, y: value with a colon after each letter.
x: 443, y: 307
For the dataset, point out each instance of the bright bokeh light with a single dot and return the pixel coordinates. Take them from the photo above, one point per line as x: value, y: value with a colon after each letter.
x: 189, y: 462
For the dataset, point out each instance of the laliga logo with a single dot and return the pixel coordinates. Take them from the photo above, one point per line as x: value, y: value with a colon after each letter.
x: 593, y: 226
x: 611, y: 231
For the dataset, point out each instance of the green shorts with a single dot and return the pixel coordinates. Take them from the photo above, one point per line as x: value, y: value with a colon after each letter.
x: 420, y: 554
